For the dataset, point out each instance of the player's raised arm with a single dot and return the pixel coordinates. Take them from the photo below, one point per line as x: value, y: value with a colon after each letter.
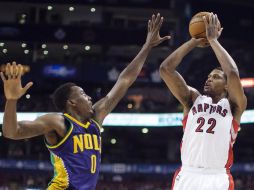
x: 13, y: 90
x: 175, y: 82
x: 235, y: 89
x: 131, y: 72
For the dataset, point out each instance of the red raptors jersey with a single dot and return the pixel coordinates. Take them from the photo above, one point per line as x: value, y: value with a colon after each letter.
x: 209, y: 134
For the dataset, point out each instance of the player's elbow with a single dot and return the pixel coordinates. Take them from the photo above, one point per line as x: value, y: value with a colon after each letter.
x: 126, y: 80
x: 10, y: 135
x: 165, y: 69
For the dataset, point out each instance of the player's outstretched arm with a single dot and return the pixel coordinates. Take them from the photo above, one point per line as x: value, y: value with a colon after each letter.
x: 175, y: 82
x: 13, y: 90
x: 235, y: 89
x: 131, y: 72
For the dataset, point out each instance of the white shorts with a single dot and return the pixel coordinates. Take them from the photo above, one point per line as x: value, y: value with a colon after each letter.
x: 187, y: 178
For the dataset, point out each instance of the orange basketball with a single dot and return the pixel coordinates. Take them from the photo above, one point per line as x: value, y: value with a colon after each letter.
x: 197, y: 27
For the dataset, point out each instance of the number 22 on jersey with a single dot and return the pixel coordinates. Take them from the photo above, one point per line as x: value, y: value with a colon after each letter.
x: 201, y: 122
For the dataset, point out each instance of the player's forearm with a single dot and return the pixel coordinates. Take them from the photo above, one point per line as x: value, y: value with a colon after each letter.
x: 131, y: 72
x: 10, y: 125
x: 226, y: 61
x: 174, y: 59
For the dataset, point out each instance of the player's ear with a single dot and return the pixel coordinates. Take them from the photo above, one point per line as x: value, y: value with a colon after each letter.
x: 70, y: 103
x: 226, y: 87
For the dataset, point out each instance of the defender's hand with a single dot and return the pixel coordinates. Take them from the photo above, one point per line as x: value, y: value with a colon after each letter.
x: 13, y: 89
x: 153, y: 36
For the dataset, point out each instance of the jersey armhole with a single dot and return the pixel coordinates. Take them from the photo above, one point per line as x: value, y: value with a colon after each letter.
x: 97, y: 124
x: 69, y: 130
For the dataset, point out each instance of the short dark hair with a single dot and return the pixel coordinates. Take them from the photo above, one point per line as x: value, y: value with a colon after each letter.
x: 61, y: 95
x: 220, y: 69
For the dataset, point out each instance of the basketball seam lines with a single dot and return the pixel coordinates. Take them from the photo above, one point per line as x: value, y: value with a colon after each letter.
x: 195, y: 22
x: 199, y: 33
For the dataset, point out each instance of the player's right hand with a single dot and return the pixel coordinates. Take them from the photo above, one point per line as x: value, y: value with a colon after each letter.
x: 11, y: 78
x: 213, y: 29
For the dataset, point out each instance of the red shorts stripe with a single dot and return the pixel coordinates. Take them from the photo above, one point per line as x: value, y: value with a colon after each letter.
x: 175, y: 175
x: 231, y: 181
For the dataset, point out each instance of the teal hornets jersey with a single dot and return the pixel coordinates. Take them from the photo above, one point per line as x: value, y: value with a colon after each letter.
x: 76, y: 158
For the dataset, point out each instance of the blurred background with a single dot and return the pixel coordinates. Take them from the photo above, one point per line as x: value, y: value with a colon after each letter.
x: 90, y: 42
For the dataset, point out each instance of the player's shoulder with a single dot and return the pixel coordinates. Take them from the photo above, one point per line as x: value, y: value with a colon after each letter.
x: 200, y: 97
x: 51, y: 118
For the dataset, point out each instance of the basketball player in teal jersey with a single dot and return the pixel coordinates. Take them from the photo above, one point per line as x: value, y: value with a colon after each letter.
x: 73, y: 138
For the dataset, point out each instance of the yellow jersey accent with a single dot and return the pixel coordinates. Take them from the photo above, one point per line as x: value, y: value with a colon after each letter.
x: 78, y: 122
x: 61, y: 178
x: 97, y: 124
x: 63, y: 140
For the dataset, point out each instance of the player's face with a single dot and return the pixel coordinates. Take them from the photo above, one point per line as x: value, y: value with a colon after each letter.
x: 83, y: 102
x: 215, y: 83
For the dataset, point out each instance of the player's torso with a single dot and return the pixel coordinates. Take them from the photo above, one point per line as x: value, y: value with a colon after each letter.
x: 76, y: 159
x: 207, y: 134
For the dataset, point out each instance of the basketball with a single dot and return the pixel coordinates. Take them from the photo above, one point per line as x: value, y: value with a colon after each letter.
x: 197, y: 27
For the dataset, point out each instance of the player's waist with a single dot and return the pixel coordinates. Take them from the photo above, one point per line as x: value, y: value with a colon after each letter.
x: 204, y: 170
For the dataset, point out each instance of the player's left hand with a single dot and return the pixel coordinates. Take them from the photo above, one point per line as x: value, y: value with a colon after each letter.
x: 213, y: 30
x: 153, y: 35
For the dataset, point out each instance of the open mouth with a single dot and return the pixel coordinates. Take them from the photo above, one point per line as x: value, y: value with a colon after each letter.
x: 207, y: 86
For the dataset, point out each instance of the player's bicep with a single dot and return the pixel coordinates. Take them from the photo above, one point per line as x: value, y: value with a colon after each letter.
x: 235, y: 91
x: 40, y: 126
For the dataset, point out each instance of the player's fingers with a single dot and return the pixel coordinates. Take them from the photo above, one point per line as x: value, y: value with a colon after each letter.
x: 217, y: 21
x: 210, y: 18
x: 158, y: 18
x: 160, y: 23
x: 14, y: 63
x: 214, y: 20
x: 28, y: 85
x: 205, y: 21
x: 165, y: 38
x: 152, y: 23
x: 220, y: 31
x: 20, y: 71
x: 15, y: 69
x: 2, y: 76
x: 11, y: 71
x: 149, y: 25
x: 199, y: 40
x: 7, y: 71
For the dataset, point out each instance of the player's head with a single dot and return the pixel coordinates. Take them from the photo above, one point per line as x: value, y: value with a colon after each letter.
x: 71, y: 98
x: 216, y: 83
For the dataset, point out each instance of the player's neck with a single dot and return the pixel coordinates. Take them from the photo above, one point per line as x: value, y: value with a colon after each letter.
x: 217, y: 98
x: 82, y: 119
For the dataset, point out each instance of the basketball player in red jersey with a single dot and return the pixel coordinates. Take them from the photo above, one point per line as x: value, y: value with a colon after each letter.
x: 73, y: 138
x: 211, y: 120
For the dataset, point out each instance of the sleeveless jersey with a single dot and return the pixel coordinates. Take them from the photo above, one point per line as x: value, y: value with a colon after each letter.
x: 209, y: 134
x: 76, y: 158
